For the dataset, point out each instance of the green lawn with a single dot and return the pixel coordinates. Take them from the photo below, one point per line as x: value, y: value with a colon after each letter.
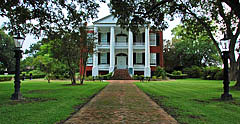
x: 45, y: 103
x: 194, y: 101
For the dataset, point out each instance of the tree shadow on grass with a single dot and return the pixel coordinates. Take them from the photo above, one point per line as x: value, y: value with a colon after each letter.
x: 26, y: 100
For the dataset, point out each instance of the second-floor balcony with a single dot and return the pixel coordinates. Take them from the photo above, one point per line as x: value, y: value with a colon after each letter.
x: 121, y: 45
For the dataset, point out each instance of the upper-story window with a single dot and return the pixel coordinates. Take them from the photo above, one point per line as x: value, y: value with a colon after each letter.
x: 153, y: 40
x: 139, y: 38
x: 121, y: 39
x: 103, y: 38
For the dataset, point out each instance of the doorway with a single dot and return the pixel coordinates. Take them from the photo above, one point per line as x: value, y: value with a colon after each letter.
x: 121, y: 62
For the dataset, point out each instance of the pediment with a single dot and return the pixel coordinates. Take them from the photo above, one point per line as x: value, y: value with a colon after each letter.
x: 106, y: 20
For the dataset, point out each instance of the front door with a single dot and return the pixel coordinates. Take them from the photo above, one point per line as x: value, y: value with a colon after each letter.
x: 121, y: 62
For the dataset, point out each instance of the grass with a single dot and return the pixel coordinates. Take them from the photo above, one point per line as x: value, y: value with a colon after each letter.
x: 45, y: 103
x: 195, y: 101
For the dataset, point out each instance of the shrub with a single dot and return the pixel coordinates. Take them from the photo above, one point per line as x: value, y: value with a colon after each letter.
x: 160, y: 72
x: 135, y: 77
x: 160, y: 78
x: 176, y: 73
x: 50, y: 77
x: 154, y: 78
x: 141, y: 76
x: 99, y: 77
x: 193, y: 72
x: 89, y: 78
x: 6, y: 77
x: 182, y: 76
x: 36, y: 72
x: 219, y: 75
x: 104, y: 77
x: 210, y: 72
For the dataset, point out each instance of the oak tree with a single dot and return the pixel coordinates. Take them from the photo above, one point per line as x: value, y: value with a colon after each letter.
x: 207, y: 15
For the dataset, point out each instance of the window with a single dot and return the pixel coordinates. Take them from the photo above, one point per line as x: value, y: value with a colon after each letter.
x: 139, y: 58
x: 90, y: 59
x: 153, y: 39
x: 103, y: 59
x: 121, y: 39
x: 139, y: 38
x: 103, y: 38
x: 153, y: 58
x: 90, y: 35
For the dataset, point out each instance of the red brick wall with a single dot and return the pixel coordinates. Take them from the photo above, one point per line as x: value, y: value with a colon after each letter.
x: 158, y: 49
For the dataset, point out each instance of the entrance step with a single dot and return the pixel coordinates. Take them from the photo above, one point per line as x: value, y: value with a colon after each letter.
x: 121, y: 74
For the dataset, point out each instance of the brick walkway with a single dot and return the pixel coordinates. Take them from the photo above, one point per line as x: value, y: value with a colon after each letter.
x: 121, y: 102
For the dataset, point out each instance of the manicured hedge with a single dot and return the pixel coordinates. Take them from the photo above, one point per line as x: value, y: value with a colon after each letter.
x: 212, y: 73
x: 193, y: 72
x: 6, y: 77
x: 105, y: 77
x: 182, y: 76
x: 34, y: 76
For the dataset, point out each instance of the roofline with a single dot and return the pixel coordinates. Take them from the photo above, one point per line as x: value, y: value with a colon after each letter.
x: 101, y: 19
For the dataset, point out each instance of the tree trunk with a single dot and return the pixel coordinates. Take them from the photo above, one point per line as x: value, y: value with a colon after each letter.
x: 237, y: 85
x: 48, y: 77
x: 72, y: 76
x: 233, y: 70
x: 83, y: 76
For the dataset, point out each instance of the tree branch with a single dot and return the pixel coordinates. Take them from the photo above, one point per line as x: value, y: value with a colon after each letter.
x: 235, y: 5
x: 235, y: 36
x: 204, y: 24
x: 156, y: 5
x: 225, y: 19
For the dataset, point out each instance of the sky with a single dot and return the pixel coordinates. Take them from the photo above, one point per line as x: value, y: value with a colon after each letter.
x: 103, y: 11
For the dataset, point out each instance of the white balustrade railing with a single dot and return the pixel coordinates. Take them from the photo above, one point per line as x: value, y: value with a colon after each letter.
x: 139, y: 43
x: 121, y: 44
x: 103, y: 43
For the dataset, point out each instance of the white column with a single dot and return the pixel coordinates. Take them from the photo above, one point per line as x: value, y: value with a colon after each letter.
x: 112, y: 50
x: 130, y: 53
x: 147, y: 70
x: 95, y: 54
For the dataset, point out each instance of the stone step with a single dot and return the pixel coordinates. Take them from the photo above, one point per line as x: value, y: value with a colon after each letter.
x: 121, y: 74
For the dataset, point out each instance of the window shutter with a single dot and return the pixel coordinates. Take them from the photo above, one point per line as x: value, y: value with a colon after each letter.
x: 134, y: 37
x: 108, y: 37
x: 157, y: 38
x: 134, y: 58
x: 157, y: 59
x: 143, y: 58
x: 108, y: 58
x: 143, y: 36
x: 99, y: 37
x: 99, y: 58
